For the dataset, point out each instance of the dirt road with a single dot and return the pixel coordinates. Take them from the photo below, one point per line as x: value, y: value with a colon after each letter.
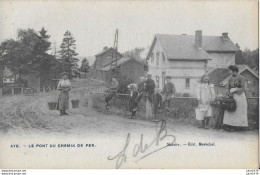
x: 26, y: 120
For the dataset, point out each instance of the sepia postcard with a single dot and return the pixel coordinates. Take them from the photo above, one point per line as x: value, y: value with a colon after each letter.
x: 129, y: 84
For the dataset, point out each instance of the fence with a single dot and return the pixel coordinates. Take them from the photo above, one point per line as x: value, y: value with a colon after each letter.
x: 5, y: 91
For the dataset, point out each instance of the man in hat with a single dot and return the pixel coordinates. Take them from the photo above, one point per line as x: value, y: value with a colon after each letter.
x: 168, y: 91
x: 150, y: 85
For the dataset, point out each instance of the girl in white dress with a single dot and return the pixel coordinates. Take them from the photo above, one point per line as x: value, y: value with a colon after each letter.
x: 205, y: 94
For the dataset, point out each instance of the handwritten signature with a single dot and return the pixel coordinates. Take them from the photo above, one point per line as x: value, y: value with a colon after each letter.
x: 141, y: 149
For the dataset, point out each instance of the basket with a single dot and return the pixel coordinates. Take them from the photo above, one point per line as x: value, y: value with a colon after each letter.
x: 75, y: 103
x: 52, y: 105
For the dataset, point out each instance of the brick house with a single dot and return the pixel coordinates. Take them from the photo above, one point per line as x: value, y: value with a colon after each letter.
x: 132, y: 68
x: 187, y: 57
x: 219, y: 77
x: 102, y: 60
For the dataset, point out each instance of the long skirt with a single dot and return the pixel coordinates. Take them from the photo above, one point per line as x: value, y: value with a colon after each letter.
x: 239, y: 116
x: 109, y: 95
x: 63, y: 101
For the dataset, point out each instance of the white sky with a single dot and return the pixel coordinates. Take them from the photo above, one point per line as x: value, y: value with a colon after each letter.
x: 93, y: 23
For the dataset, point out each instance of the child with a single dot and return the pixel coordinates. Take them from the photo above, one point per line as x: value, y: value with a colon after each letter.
x: 168, y: 91
x: 157, y: 102
x: 132, y: 100
x: 205, y: 95
x: 218, y: 112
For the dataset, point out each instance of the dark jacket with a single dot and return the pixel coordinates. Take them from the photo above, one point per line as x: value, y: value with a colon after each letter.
x: 132, y: 101
x: 169, y: 88
x: 157, y: 101
x: 150, y: 85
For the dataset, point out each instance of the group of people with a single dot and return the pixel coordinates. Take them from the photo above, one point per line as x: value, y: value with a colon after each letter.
x: 156, y: 99
x: 235, y: 89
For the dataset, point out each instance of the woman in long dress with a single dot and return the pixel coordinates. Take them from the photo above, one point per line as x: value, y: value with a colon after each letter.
x: 236, y: 89
x: 64, y: 87
x: 205, y: 94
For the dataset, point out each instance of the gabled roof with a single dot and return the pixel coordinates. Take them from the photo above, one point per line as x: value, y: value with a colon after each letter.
x: 183, y: 46
x: 123, y: 60
x: 107, y: 50
x: 219, y: 75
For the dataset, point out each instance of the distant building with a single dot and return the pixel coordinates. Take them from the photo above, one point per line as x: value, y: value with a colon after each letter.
x: 131, y: 68
x: 220, y: 76
x: 103, y: 59
x: 187, y: 57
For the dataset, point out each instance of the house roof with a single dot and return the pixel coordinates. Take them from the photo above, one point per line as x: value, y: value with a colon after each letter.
x: 106, y: 50
x: 183, y: 46
x: 219, y: 75
x: 123, y: 60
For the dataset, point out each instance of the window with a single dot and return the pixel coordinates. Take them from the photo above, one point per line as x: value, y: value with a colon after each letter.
x: 152, y: 57
x: 187, y: 82
x: 157, y: 58
x: 157, y: 81
x: 163, y: 57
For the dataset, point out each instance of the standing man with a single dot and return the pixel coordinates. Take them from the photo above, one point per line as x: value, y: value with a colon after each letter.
x: 113, y: 87
x: 168, y: 91
x: 150, y: 86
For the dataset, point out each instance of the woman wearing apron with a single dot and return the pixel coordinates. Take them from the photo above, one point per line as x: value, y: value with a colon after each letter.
x: 64, y: 87
x: 236, y: 88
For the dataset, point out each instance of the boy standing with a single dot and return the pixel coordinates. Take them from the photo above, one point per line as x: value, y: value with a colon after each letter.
x: 168, y: 91
x: 157, y: 102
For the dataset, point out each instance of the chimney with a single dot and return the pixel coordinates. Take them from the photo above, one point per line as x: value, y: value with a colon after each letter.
x: 225, y: 35
x: 105, y: 48
x: 198, y: 38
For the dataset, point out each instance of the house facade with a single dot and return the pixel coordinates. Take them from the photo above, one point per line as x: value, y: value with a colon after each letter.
x: 102, y: 60
x: 187, y: 57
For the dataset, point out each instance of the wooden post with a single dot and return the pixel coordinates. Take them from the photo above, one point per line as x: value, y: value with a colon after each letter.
x: 21, y: 90
x: 90, y: 100
x: 148, y: 110
x: 1, y: 92
x: 12, y: 90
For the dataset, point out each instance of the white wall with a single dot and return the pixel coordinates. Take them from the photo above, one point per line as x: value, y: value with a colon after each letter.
x: 178, y: 70
x: 221, y: 60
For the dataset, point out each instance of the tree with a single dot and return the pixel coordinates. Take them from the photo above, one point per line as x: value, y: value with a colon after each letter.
x: 15, y: 57
x: 248, y: 57
x: 28, y: 54
x: 68, y: 53
x: 134, y: 53
x: 85, y: 66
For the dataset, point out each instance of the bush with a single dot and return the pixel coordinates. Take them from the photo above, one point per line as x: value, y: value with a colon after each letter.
x: 178, y: 94
x: 181, y: 109
x: 186, y: 94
